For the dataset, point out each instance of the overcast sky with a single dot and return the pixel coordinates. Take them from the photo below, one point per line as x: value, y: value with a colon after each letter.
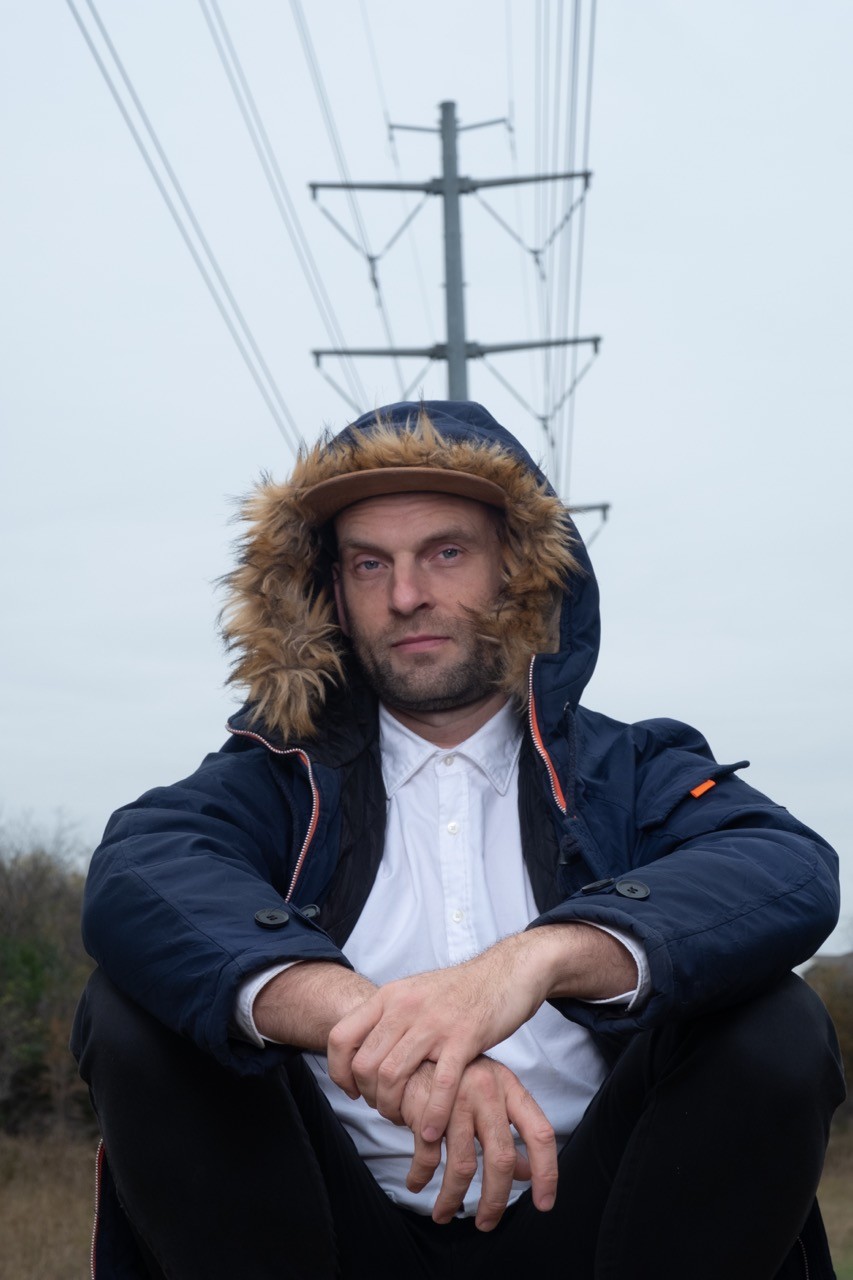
x: 717, y: 420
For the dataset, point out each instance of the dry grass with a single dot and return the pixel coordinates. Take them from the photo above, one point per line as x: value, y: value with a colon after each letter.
x: 47, y: 1190
x: 46, y: 1202
x: 836, y: 1198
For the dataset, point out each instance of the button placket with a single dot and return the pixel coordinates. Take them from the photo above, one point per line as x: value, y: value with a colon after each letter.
x: 452, y: 780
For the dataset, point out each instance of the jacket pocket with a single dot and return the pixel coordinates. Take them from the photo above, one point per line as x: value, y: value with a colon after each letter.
x: 689, y: 779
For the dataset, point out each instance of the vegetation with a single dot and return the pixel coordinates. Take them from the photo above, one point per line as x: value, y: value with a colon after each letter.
x: 43, y: 968
x: 832, y: 978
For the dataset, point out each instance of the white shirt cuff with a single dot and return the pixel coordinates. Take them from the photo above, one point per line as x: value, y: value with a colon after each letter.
x: 243, y: 1021
x: 633, y: 1000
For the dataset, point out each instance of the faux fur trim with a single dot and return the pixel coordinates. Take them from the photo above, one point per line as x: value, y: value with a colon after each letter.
x: 279, y: 618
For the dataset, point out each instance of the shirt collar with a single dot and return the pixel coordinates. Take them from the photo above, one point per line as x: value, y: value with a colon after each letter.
x: 494, y: 749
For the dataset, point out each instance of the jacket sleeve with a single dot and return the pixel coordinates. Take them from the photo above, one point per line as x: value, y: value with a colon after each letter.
x: 725, y: 889
x: 175, y: 891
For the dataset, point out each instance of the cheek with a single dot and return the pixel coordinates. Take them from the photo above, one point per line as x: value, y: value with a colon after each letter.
x: 487, y: 587
x: 361, y: 613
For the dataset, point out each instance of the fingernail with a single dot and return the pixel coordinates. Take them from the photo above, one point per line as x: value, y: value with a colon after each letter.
x: 431, y: 1134
x: 546, y: 1203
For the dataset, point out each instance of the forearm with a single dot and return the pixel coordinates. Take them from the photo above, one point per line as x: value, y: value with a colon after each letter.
x: 301, y: 1005
x: 574, y: 960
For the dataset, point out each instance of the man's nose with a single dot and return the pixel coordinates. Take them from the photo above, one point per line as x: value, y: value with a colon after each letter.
x: 409, y: 589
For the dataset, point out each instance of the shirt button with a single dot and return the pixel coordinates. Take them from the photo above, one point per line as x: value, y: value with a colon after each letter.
x: 449, y: 759
x: 453, y: 828
x: 457, y: 916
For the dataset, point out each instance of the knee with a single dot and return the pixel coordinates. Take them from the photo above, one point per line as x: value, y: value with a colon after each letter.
x: 781, y: 1047
x: 114, y: 1037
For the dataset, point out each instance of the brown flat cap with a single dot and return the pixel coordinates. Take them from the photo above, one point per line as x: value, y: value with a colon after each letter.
x: 326, y: 499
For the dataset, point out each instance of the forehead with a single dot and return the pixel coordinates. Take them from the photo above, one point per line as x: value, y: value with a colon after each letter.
x: 399, y: 517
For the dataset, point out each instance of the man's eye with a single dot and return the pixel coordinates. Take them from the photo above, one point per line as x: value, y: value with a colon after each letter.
x: 449, y: 553
x: 369, y: 565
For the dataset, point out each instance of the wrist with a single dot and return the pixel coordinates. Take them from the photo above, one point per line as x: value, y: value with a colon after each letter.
x: 580, y: 961
x: 301, y: 1005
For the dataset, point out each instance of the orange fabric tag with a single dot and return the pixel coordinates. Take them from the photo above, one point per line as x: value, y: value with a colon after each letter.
x: 702, y: 788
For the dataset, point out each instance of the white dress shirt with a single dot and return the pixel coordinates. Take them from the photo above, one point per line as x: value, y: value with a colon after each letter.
x: 451, y: 883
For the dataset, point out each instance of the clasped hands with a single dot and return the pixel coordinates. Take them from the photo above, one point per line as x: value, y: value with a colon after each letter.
x: 415, y: 1050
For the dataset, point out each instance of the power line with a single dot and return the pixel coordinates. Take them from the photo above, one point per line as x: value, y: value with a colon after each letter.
x: 542, y: 90
x: 564, y: 273
x: 575, y: 376
x: 559, y: 238
x: 236, y: 323
x: 513, y: 151
x: 340, y: 159
x: 275, y: 180
x: 395, y: 157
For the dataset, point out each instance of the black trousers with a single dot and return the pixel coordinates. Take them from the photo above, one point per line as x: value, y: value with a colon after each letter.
x: 698, y: 1158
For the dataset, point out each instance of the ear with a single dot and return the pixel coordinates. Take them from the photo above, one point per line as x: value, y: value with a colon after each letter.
x: 340, y: 604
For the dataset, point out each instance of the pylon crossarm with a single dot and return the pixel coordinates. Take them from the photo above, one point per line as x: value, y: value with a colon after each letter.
x: 474, y: 184
x: 475, y: 350
x: 433, y: 186
x: 481, y: 124
x: 436, y: 352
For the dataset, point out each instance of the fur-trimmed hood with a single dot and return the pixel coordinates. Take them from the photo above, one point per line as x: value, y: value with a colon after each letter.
x: 279, y: 619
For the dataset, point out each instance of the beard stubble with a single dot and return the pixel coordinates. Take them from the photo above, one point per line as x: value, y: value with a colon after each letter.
x: 428, y: 684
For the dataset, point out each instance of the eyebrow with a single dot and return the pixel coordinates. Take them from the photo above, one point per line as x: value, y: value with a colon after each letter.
x: 452, y: 533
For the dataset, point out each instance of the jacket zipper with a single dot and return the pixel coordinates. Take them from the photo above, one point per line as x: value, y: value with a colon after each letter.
x: 99, y: 1173
x: 315, y: 798
x: 805, y: 1257
x: 556, y: 789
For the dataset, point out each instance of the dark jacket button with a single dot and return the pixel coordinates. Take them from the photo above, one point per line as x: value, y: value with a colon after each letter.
x: 632, y: 889
x: 271, y: 918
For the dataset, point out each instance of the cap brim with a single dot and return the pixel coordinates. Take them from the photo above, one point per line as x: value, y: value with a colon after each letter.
x: 326, y: 499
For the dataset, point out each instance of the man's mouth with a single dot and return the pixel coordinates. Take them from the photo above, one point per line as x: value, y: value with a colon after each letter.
x: 419, y: 644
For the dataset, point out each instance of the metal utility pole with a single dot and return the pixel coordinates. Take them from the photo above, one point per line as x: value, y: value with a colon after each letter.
x: 457, y: 350
x: 454, y: 286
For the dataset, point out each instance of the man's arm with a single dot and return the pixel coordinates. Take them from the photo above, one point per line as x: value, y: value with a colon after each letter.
x: 451, y: 1016
x: 301, y: 1005
x: 178, y: 895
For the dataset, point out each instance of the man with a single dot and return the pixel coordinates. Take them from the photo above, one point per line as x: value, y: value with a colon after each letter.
x: 430, y: 969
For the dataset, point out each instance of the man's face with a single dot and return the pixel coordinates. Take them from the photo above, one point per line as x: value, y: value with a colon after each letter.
x: 410, y: 568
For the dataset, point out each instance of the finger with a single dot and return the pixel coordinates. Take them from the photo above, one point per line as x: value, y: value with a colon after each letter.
x: 460, y: 1167
x: 442, y: 1095
x: 425, y: 1161
x: 346, y: 1038
x: 394, y: 1073
x: 538, y: 1137
x: 427, y: 1155
x: 500, y: 1159
x: 383, y: 1066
